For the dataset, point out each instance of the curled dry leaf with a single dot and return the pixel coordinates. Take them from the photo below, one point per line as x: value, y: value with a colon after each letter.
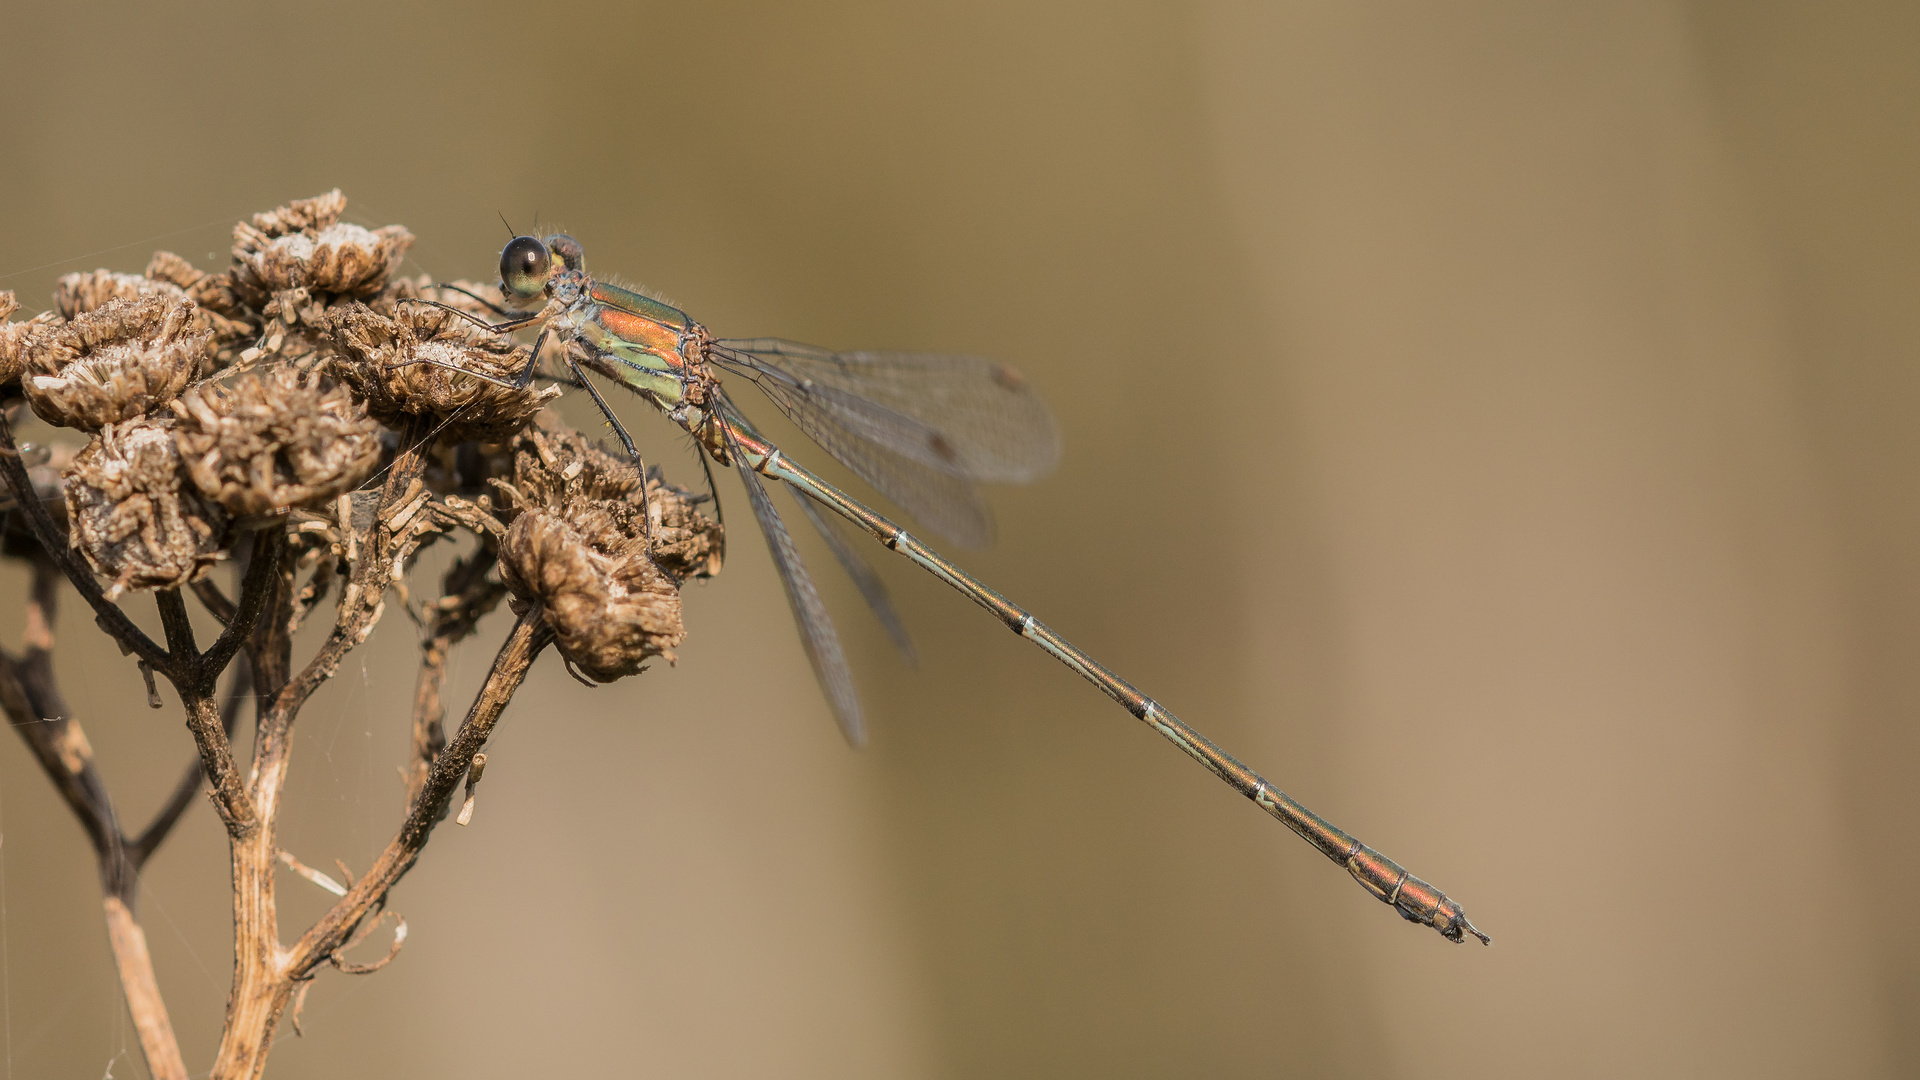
x: 422, y: 361
x: 114, y: 363
x: 274, y: 441
x: 132, y: 514
x: 577, y: 543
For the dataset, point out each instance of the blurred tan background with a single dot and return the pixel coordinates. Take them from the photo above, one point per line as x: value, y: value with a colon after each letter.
x: 1494, y: 421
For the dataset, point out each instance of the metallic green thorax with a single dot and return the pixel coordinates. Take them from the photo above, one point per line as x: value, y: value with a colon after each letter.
x: 649, y: 339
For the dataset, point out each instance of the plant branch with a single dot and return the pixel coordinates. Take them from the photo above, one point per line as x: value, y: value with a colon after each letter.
x: 142, y: 848
x: 379, y: 563
x: 179, y: 630
x: 144, y: 1004
x: 530, y: 634
x: 213, y: 600
x: 469, y: 591
x: 269, y: 549
x: 263, y: 982
x: 34, y: 705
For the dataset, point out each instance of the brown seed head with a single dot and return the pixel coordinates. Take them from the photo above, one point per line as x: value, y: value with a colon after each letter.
x: 77, y: 294
x: 131, y: 513
x: 414, y: 363
x: 268, y: 442
x: 114, y: 363
x: 304, y: 245
x: 302, y: 214
x: 20, y: 339
x: 221, y: 309
x: 577, y: 543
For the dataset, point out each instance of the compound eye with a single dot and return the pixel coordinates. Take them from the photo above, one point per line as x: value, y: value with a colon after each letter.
x: 569, y: 250
x: 525, y: 267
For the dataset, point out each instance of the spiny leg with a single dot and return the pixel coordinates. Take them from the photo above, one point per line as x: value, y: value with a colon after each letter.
x: 518, y: 382
x: 502, y: 328
x: 476, y: 298
x: 633, y: 452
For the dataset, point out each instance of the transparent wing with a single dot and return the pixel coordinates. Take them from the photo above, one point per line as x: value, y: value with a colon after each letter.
x: 872, y: 589
x: 809, y: 614
x: 963, y: 415
x: 922, y: 428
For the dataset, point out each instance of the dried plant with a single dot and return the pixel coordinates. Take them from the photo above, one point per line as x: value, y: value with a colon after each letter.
x: 289, y: 417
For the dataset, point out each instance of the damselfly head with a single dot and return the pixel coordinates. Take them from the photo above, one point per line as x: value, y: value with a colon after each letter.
x: 525, y: 266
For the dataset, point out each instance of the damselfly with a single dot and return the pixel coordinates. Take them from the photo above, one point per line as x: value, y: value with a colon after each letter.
x: 922, y: 429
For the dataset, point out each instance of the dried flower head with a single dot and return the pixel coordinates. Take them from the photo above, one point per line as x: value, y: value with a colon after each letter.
x: 132, y: 514
x: 416, y: 363
x: 578, y: 544
x: 305, y: 245
x: 114, y: 363
x: 77, y: 294
x: 18, y: 340
x: 269, y: 442
x: 221, y: 309
x: 302, y: 214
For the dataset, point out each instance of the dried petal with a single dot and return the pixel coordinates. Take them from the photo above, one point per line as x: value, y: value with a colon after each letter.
x: 269, y: 442
x: 115, y: 363
x: 133, y: 516
x: 8, y: 305
x: 415, y: 363
x: 578, y: 544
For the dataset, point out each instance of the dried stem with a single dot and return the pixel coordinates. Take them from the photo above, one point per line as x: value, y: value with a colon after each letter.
x: 530, y: 635
x: 38, y: 711
x: 194, y: 676
x: 469, y: 592
x: 261, y: 983
x: 144, y: 1004
x: 143, y: 847
x: 213, y: 600
x: 274, y: 977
